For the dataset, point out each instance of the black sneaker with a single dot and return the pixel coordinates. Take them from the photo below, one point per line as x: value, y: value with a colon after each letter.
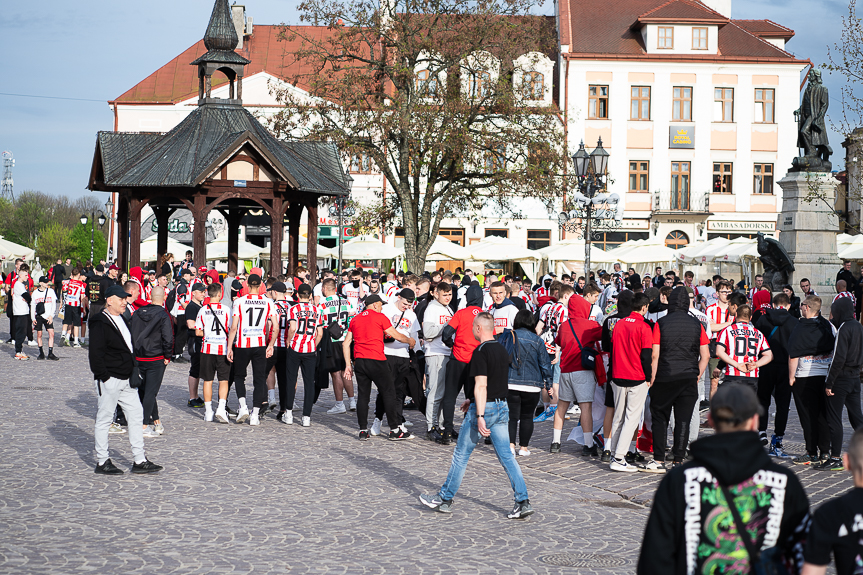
x: 41, y: 355
x: 805, y: 459
x: 521, y: 510
x: 399, y: 435
x: 831, y: 464
x: 555, y: 448
x: 538, y: 411
x: 488, y: 440
x: 606, y: 456
x: 633, y: 457
x: 454, y: 434
x: 704, y: 405
x: 146, y: 467
x: 52, y: 357
x: 410, y: 405
x: 197, y: 402
x: 763, y: 437
x: 108, y: 468
x: 432, y: 434
x: 232, y: 413
x: 444, y: 439
x: 364, y: 435
x: 592, y: 451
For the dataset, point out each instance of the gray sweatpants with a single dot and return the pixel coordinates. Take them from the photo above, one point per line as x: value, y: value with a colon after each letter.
x: 435, y: 385
x: 628, y: 409
x: 111, y: 393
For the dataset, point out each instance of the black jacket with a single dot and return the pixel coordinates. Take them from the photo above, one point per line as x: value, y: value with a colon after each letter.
x: 109, y: 354
x: 777, y: 325
x: 152, y: 333
x: 850, y: 280
x: 679, y: 340
x: 848, y: 352
x: 690, y: 519
x: 811, y: 337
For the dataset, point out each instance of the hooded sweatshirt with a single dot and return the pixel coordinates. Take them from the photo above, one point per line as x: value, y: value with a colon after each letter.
x: 812, y: 341
x: 777, y: 325
x: 504, y: 314
x: 760, y: 304
x: 679, y: 336
x: 458, y: 333
x: 136, y: 274
x: 152, y: 333
x: 691, y: 528
x: 848, y: 351
x: 587, y: 330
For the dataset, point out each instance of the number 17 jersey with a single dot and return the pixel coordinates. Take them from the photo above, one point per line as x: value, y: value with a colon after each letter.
x: 251, y: 312
x: 214, y: 320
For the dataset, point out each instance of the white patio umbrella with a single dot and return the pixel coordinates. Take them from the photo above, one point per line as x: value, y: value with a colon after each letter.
x: 218, y: 249
x: 11, y: 250
x: 653, y: 252
x: 703, y: 252
x: 495, y: 248
x: 737, y: 251
x: 444, y: 249
x: 849, y: 247
x: 368, y: 248
x: 150, y: 245
x: 572, y: 250
x: 323, y: 251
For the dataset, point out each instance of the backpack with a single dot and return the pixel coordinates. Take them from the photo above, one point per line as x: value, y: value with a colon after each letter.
x: 509, y: 340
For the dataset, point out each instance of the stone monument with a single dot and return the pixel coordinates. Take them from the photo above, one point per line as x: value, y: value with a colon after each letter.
x: 807, y: 222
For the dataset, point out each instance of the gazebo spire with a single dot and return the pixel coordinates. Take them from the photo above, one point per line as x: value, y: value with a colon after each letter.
x: 220, y: 39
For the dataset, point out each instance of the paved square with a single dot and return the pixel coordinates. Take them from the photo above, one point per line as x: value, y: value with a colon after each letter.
x: 287, y: 499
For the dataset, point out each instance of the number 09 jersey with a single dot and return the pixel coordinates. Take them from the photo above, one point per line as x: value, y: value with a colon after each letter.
x: 744, y: 344
x: 215, y: 321
x: 251, y: 312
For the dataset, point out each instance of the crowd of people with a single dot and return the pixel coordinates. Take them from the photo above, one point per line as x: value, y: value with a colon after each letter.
x: 627, y: 357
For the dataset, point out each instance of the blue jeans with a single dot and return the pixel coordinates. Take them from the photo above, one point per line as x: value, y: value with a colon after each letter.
x: 556, y: 373
x: 497, y: 421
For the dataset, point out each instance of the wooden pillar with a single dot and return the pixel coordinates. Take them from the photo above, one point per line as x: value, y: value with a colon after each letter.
x: 312, y: 240
x: 295, y: 211
x: 135, y: 232
x: 122, y: 254
x: 162, y: 214
x: 199, y: 234
x: 276, y: 233
x: 233, y: 218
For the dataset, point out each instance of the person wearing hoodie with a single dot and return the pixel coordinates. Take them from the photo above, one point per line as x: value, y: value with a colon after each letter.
x: 810, y: 352
x: 760, y: 303
x: 153, y: 343
x: 776, y: 324
x: 577, y: 383
x: 502, y: 308
x: 177, y: 302
x: 458, y: 335
x: 843, y: 380
x: 658, y: 306
x: 436, y: 316
x: 692, y: 527
x: 679, y: 358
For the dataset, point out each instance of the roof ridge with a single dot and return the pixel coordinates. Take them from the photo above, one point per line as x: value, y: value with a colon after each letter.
x: 762, y: 40
x: 693, y: 3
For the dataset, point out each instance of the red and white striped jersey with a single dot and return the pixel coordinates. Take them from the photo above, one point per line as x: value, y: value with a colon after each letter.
x: 282, y: 308
x: 553, y: 315
x: 306, y: 317
x: 391, y: 291
x: 73, y: 290
x: 717, y: 314
x: 847, y: 294
x: 744, y: 344
x: 252, y: 312
x: 215, y: 321
x: 147, y: 293
x: 540, y: 292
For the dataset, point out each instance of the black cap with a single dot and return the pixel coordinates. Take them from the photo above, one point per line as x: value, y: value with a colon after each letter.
x: 99, y: 268
x: 199, y: 287
x: 116, y: 291
x: 373, y: 298
x: 279, y: 287
x: 408, y: 294
x: 736, y: 402
x: 254, y: 280
x: 44, y: 279
x: 376, y: 276
x: 304, y: 290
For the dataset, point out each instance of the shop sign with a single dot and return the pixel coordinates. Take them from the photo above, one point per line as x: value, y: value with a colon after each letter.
x: 681, y: 137
x: 721, y: 226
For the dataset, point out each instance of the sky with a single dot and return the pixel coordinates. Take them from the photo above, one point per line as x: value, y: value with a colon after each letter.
x: 87, y: 53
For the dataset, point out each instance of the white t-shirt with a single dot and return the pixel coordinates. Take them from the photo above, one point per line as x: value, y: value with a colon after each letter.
x: 504, y: 316
x: 596, y: 314
x: 316, y: 291
x: 405, y: 323
x: 702, y: 317
x: 124, y: 331
x: 19, y: 306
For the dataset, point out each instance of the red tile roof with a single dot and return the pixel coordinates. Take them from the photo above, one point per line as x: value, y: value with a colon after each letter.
x: 178, y: 80
x: 765, y: 28
x: 682, y: 11
x: 615, y: 35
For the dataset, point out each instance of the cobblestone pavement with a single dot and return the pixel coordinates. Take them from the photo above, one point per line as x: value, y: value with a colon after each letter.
x: 287, y: 499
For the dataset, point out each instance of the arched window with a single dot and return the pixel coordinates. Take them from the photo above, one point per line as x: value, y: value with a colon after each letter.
x: 533, y: 86
x: 426, y: 84
x: 676, y: 240
x: 480, y: 85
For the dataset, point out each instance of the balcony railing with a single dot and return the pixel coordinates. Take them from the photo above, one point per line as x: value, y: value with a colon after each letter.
x: 675, y: 202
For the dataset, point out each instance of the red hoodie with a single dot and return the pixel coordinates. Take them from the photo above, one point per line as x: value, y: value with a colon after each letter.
x: 214, y: 276
x: 136, y: 274
x: 588, y: 331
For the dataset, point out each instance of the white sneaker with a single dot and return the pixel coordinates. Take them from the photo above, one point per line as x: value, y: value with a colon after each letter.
x: 159, y: 428
x: 407, y: 423
x: 376, y: 427
x: 654, y: 466
x: 288, y: 418
x: 116, y: 428
x: 512, y: 449
x: 572, y: 411
x: 353, y: 404
x: 307, y: 421
x: 150, y: 432
x: 243, y: 414
x: 523, y: 452
x: 76, y: 344
x: 339, y: 407
x: 254, y: 420
x: 222, y: 416
x: 32, y: 343
x: 622, y: 465
x: 208, y: 416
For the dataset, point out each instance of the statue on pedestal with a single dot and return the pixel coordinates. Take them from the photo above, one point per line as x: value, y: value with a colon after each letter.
x: 777, y: 264
x: 812, y: 128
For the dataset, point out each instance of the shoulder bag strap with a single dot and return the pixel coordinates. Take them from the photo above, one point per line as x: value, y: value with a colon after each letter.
x: 578, y: 341
x: 754, y: 555
x: 210, y: 307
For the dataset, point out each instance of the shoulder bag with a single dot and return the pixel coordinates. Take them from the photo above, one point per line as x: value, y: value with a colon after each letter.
x: 588, y: 355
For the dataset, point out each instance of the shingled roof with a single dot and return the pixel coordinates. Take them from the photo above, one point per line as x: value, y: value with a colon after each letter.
x: 766, y: 29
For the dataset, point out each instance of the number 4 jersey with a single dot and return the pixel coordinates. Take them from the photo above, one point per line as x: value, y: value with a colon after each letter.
x: 251, y: 312
x: 744, y: 344
x: 214, y: 320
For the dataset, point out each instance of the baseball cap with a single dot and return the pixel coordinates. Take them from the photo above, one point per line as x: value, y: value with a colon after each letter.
x: 408, y: 294
x: 279, y: 287
x: 202, y: 269
x: 99, y: 268
x: 254, y: 280
x: 373, y: 298
x: 304, y: 290
x: 116, y: 291
x: 199, y: 287
x: 44, y: 279
x: 113, y: 267
x: 376, y: 276
x: 734, y: 403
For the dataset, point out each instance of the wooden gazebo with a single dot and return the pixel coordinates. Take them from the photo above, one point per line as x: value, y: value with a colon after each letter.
x: 220, y: 157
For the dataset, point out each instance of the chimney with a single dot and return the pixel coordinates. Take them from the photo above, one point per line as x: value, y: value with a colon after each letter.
x: 238, y: 13
x: 721, y: 6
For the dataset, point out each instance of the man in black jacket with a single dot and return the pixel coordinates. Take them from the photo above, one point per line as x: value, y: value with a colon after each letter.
x: 776, y: 324
x: 153, y: 343
x: 112, y: 363
x: 843, y: 379
x: 680, y: 355
x: 846, y: 274
x: 691, y: 524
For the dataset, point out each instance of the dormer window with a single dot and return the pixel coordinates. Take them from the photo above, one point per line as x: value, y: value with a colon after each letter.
x: 665, y: 38
x: 699, y: 38
x: 533, y: 86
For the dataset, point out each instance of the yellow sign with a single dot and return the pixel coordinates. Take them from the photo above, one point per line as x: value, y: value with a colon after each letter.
x: 681, y: 137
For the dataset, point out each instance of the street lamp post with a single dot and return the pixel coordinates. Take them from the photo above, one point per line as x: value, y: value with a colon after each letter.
x: 594, y: 213
x: 341, y: 208
x: 109, y: 206
x: 102, y: 220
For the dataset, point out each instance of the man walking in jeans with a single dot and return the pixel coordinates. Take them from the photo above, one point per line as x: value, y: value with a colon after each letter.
x: 487, y: 415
